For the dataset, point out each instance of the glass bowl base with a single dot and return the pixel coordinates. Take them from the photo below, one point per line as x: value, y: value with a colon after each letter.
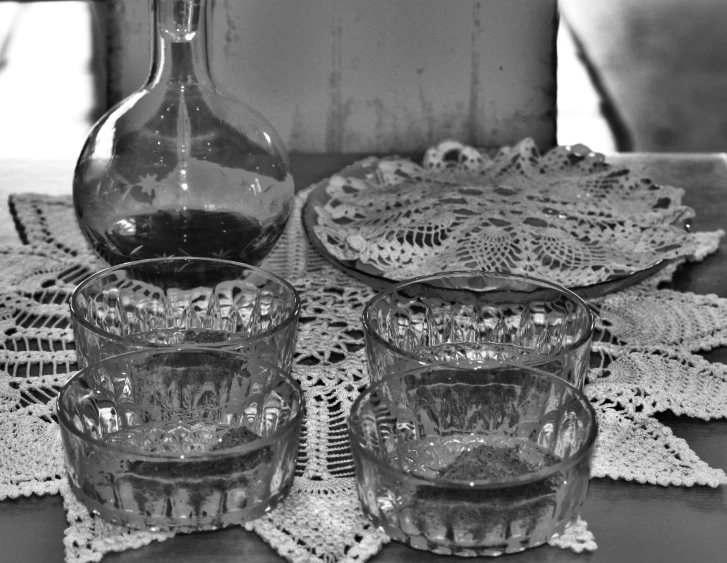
x: 172, y: 520
x: 497, y: 544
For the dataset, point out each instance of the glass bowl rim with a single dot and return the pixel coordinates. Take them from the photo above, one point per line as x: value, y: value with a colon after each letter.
x: 368, y: 328
x: 291, y: 318
x: 66, y: 424
x: 583, y: 451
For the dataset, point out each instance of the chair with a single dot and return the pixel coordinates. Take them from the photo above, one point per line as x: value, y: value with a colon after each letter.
x: 662, y: 69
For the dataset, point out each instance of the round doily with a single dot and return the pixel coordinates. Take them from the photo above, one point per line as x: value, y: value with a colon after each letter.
x: 565, y: 216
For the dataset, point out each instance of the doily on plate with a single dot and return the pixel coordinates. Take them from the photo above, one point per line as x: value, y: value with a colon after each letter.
x: 565, y: 216
x: 36, y: 356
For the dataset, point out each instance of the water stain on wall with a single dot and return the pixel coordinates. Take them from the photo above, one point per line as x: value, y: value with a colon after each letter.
x: 391, y: 76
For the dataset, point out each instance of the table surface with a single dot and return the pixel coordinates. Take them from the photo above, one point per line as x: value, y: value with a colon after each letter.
x: 631, y: 522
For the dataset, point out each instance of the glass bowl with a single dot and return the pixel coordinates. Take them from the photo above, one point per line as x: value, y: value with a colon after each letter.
x: 185, y: 301
x: 478, y: 316
x: 180, y: 439
x: 480, y: 459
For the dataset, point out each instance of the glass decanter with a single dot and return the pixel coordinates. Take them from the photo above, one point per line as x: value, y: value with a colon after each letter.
x: 178, y: 167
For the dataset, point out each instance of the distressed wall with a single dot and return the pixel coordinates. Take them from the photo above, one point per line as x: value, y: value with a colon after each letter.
x: 373, y: 76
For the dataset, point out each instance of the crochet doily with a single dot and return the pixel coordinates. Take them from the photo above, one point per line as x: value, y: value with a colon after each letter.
x: 645, y: 364
x: 566, y: 216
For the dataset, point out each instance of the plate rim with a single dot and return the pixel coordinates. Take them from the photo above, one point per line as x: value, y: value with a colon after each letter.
x: 379, y: 282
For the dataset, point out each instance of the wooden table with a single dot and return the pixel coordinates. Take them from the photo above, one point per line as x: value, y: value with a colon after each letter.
x: 631, y: 522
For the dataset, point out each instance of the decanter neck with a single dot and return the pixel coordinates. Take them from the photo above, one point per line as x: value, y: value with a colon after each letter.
x: 180, y: 43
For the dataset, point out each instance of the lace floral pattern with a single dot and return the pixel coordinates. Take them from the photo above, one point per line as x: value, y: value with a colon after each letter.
x: 644, y: 363
x: 566, y: 216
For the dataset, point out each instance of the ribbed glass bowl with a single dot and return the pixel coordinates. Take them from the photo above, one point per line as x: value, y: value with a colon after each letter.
x: 180, y: 439
x: 478, y: 316
x: 185, y: 301
x: 472, y: 459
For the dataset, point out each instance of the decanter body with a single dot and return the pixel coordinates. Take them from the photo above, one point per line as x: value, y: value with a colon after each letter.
x: 178, y: 167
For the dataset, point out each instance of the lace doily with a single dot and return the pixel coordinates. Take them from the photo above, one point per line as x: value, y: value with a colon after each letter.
x: 645, y: 365
x: 566, y: 216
